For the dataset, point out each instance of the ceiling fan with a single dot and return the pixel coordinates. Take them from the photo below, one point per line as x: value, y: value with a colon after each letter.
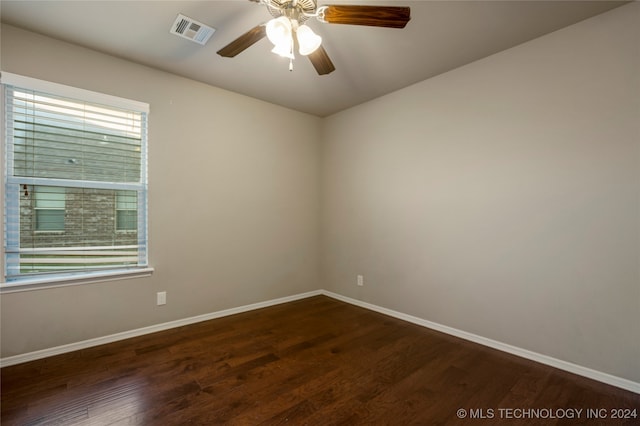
x: 287, y: 29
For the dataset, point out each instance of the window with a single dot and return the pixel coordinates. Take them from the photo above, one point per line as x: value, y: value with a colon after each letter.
x: 49, y: 207
x: 76, y: 178
x: 126, y: 211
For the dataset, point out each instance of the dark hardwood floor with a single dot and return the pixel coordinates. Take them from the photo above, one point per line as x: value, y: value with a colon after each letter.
x: 316, y: 361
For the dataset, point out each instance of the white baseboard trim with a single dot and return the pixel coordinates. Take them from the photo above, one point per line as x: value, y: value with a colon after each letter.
x: 524, y: 353
x: 514, y: 350
x: 57, y: 350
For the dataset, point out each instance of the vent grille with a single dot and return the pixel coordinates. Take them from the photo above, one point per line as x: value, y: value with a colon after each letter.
x: 191, y: 29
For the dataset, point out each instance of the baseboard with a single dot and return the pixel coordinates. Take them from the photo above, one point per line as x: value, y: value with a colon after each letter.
x: 44, y: 353
x: 523, y: 353
x: 533, y: 356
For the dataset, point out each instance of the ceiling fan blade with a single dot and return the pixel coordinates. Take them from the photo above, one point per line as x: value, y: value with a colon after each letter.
x: 243, y: 42
x: 374, y: 16
x: 321, y: 61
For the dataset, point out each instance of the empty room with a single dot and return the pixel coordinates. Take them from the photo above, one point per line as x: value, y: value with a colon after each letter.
x: 260, y: 212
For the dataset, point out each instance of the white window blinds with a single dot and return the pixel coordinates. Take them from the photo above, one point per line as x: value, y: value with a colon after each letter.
x: 70, y: 156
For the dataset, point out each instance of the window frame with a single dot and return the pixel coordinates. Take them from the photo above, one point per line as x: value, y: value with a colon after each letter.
x: 7, y: 199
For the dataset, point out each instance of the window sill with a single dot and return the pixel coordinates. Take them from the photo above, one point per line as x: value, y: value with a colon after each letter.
x: 97, y: 277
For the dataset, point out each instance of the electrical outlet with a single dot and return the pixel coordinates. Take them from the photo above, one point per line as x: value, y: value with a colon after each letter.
x: 161, y: 298
x: 360, y: 280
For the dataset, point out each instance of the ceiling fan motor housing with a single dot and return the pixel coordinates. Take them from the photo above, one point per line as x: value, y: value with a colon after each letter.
x: 300, y: 10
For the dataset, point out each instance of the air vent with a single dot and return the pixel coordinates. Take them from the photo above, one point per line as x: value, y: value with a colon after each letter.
x: 191, y: 29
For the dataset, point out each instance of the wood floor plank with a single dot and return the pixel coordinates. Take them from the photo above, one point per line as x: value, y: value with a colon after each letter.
x: 315, y: 361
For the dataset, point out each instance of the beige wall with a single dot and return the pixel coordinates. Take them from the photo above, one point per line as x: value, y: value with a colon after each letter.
x: 233, y: 202
x: 502, y: 198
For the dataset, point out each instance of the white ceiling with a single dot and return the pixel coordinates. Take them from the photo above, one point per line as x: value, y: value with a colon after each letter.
x: 370, y: 62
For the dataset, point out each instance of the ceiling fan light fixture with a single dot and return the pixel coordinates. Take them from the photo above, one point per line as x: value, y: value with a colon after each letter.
x: 284, y: 49
x: 279, y: 30
x: 308, y: 41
